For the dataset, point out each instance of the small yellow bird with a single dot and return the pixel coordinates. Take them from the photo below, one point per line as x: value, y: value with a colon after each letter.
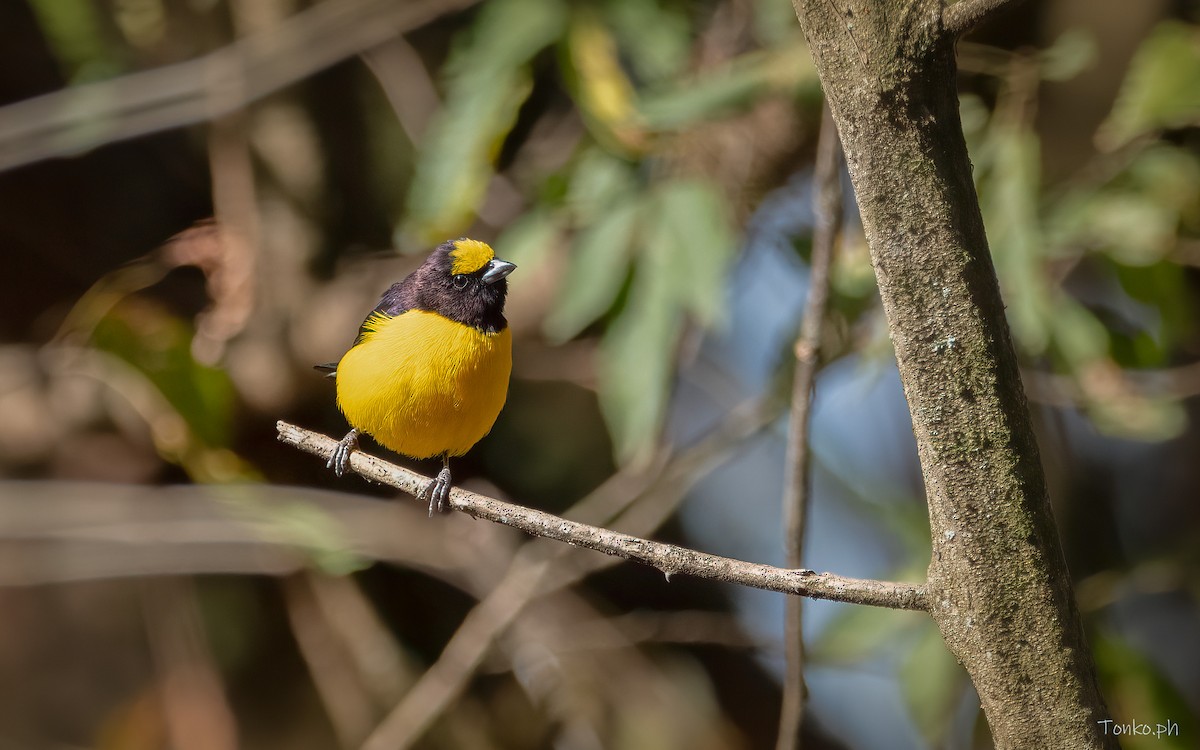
x: 428, y: 374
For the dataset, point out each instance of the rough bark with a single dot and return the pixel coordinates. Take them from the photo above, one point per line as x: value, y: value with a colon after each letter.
x: 998, y: 584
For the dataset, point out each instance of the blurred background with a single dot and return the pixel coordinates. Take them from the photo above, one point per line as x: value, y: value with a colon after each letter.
x: 199, y: 199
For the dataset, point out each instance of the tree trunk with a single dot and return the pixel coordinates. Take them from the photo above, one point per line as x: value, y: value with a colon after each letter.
x: 998, y: 584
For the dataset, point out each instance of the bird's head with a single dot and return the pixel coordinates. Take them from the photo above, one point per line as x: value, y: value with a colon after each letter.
x: 464, y: 280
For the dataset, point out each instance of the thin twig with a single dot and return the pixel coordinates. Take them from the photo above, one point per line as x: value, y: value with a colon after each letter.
x: 694, y: 627
x: 338, y: 684
x: 65, y: 532
x: 827, y: 223
x: 377, y: 655
x: 83, y: 117
x: 445, y: 678
x: 669, y: 558
x: 543, y: 567
x: 965, y: 15
x: 195, y: 709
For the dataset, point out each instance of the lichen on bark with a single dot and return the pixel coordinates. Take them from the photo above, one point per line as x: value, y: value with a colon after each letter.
x: 998, y: 584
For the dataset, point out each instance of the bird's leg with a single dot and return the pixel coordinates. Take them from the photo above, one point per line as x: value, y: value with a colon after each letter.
x: 437, y: 492
x: 340, y: 460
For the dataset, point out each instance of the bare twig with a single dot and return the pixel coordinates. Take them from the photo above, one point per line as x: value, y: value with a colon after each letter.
x: 543, y: 567
x: 695, y: 626
x: 669, y: 558
x: 339, y: 685
x: 965, y: 15
x: 406, y: 83
x: 83, y: 117
x: 197, y: 714
x: 1179, y: 382
x: 377, y: 655
x: 62, y: 532
x: 444, y: 679
x: 827, y: 223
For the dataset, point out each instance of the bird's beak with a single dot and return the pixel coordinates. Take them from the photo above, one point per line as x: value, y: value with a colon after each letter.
x: 497, y: 269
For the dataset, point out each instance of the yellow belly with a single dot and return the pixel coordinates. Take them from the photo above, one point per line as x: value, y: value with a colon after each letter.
x: 423, y: 385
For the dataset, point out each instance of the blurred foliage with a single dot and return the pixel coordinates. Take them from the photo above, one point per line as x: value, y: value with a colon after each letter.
x: 1160, y: 89
x: 1117, y: 230
x: 159, y: 346
x: 1140, y: 691
x: 486, y: 79
x: 649, y: 246
x: 81, y: 39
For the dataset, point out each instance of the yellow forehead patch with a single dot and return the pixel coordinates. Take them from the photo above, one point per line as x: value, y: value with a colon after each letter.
x: 470, y: 255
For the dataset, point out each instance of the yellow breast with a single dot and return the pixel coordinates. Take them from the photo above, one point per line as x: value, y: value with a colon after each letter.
x: 423, y: 385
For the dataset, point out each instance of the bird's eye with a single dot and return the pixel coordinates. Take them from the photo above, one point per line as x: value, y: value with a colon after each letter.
x: 460, y: 281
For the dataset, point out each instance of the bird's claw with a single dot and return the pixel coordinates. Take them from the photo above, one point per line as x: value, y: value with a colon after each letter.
x: 437, y: 493
x: 339, y: 460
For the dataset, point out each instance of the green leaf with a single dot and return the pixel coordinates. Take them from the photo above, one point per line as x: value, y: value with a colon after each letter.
x: 1171, y: 175
x: 1073, y: 52
x: 79, y: 37
x: 159, y: 346
x: 598, y: 181
x: 1079, y: 336
x: 686, y: 247
x: 933, y: 684
x: 724, y: 92
x: 599, y: 265
x: 656, y: 38
x: 1009, y: 185
x: 694, y: 240
x: 605, y: 95
x: 1160, y: 88
x: 856, y: 634
x: 1133, y: 227
x: 775, y: 24
x: 487, y: 81
x: 636, y: 363
x: 1137, y: 690
x: 1164, y: 286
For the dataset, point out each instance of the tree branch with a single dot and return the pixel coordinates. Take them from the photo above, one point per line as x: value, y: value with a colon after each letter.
x: 669, y: 558
x: 966, y: 15
x: 82, y: 117
x: 827, y: 223
x: 998, y: 584
x: 635, y: 501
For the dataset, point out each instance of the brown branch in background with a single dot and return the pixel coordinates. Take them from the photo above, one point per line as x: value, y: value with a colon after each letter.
x: 692, y: 627
x: 406, y: 83
x: 83, y: 117
x: 827, y: 223
x: 196, y: 713
x: 966, y: 15
x: 635, y: 503
x: 377, y: 655
x: 232, y: 264
x: 671, y: 559
x: 338, y: 684
x: 543, y: 567
x: 67, y: 532
x: 446, y: 677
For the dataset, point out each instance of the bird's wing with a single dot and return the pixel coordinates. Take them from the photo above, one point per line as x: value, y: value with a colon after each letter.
x: 399, y: 298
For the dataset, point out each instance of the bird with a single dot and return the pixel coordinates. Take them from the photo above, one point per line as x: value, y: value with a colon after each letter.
x: 428, y: 373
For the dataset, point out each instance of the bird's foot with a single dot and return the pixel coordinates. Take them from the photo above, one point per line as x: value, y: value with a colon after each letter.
x: 340, y: 460
x: 437, y: 493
